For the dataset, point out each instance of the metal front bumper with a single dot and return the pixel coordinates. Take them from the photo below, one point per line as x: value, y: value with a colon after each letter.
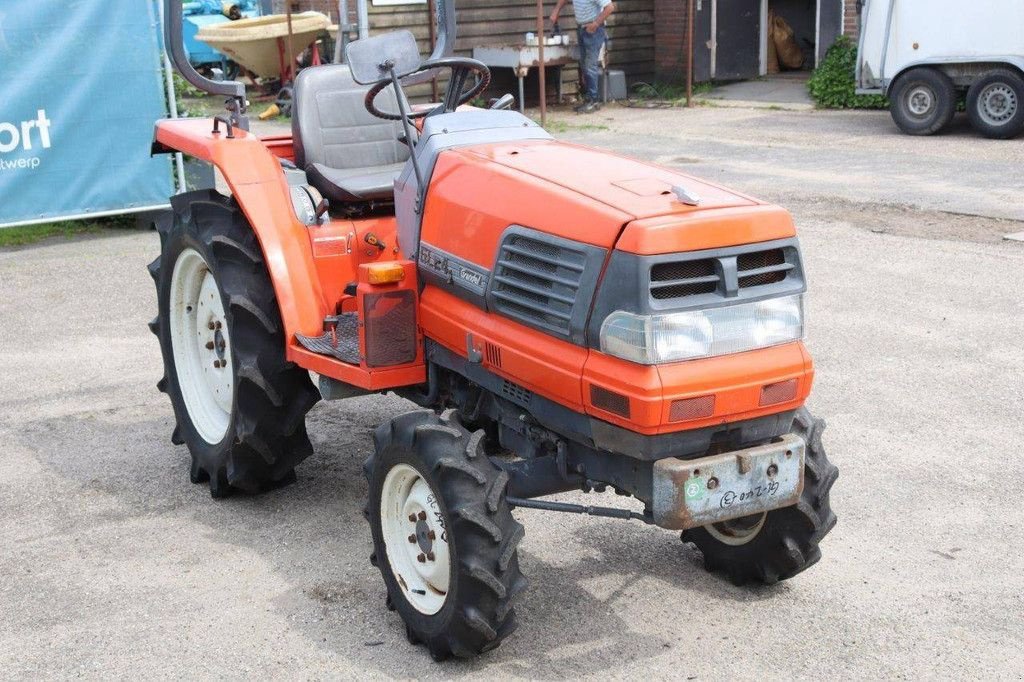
x: 696, y: 492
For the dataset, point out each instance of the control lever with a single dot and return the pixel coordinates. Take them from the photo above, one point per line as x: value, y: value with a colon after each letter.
x: 503, y: 102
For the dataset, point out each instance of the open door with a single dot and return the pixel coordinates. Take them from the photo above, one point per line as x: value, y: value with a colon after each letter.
x: 737, y: 40
x: 830, y: 26
x: 702, y: 40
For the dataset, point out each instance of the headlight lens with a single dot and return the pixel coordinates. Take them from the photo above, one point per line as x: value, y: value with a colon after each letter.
x: 670, y: 337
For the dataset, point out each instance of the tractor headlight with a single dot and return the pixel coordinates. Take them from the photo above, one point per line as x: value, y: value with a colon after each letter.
x: 670, y: 337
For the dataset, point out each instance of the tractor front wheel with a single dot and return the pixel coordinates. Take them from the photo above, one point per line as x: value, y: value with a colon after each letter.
x: 776, y: 545
x: 239, y: 405
x: 443, y: 534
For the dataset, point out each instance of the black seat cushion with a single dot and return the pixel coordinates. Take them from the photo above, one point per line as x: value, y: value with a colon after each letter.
x: 347, y: 153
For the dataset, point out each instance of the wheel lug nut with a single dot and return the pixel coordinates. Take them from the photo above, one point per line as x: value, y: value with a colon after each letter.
x: 430, y: 556
x: 422, y: 559
x: 210, y: 326
x: 209, y: 345
x: 431, y: 535
x: 422, y: 516
x: 412, y: 518
x: 412, y: 538
x: 217, y: 325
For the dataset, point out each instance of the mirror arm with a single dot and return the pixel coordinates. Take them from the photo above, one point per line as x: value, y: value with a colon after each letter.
x: 403, y: 111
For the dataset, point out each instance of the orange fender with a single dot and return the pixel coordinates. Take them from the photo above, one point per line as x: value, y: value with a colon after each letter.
x: 254, y: 175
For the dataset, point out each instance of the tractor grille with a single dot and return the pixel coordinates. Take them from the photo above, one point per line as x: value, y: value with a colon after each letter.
x: 684, y: 278
x: 538, y: 282
x: 762, y: 267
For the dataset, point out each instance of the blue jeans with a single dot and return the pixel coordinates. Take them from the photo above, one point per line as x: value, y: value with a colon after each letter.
x: 590, y: 53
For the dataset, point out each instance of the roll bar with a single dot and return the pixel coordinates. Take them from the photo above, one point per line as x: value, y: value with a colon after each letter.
x: 234, y: 91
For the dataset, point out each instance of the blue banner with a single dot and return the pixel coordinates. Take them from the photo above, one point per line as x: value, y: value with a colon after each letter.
x: 82, y: 85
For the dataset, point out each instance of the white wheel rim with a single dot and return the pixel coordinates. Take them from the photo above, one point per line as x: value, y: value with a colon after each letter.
x: 412, y: 525
x: 202, y: 349
x: 920, y: 100
x: 738, y: 531
x: 997, y: 104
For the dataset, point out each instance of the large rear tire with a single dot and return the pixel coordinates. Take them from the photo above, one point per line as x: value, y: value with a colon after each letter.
x: 443, y: 534
x: 995, y: 104
x: 770, y: 547
x: 239, y: 405
x: 923, y: 101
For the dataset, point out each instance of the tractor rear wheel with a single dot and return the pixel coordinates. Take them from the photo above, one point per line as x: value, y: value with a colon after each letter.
x: 239, y: 405
x: 776, y: 545
x: 443, y: 534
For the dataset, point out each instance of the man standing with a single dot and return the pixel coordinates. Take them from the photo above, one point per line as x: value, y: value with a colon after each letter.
x: 590, y: 18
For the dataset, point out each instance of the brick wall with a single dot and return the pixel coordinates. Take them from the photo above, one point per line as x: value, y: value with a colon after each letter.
x: 851, y: 22
x: 670, y: 48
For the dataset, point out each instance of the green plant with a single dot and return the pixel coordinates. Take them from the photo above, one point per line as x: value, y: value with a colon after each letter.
x: 670, y: 92
x: 832, y: 84
x: 65, y: 229
x: 183, y: 89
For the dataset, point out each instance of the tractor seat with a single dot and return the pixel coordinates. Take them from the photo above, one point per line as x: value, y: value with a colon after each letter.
x: 348, y: 154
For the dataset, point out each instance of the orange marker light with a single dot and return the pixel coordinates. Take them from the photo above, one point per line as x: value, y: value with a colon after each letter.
x: 385, y: 273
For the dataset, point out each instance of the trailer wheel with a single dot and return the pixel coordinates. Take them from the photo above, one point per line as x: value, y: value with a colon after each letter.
x: 923, y: 101
x: 778, y: 544
x: 443, y: 535
x: 240, y: 407
x: 995, y: 104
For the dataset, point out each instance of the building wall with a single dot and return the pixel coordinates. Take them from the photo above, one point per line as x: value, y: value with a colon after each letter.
x: 670, y: 39
x: 488, y: 22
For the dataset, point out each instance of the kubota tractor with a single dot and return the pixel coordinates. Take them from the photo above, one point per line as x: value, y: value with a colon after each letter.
x: 568, y: 319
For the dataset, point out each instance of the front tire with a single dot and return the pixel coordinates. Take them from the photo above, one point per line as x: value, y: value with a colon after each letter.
x: 774, y: 546
x: 923, y: 101
x: 239, y: 405
x: 443, y: 534
x: 995, y: 104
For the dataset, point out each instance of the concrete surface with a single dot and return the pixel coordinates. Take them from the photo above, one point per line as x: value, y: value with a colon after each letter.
x: 114, y: 566
x: 783, y: 90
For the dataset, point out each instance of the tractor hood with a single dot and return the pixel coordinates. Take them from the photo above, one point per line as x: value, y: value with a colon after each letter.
x: 656, y: 219
x: 636, y: 188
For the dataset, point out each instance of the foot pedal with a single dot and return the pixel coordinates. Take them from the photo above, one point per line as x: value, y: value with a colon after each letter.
x: 341, y: 340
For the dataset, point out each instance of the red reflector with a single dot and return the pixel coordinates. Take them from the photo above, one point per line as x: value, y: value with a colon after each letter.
x: 782, y: 392
x: 613, y: 402
x: 691, y: 408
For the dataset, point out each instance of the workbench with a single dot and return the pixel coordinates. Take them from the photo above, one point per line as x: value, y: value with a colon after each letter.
x: 521, y: 58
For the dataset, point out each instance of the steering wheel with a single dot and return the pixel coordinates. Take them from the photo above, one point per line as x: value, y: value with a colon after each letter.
x: 462, y: 68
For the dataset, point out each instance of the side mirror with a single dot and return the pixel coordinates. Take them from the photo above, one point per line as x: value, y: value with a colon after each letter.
x: 370, y: 58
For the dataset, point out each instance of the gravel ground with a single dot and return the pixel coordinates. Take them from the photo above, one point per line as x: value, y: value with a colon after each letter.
x: 114, y: 566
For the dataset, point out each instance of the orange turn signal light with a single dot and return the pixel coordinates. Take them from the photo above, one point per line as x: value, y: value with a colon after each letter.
x: 385, y: 273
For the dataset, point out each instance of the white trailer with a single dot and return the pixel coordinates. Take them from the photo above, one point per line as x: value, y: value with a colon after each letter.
x: 925, y: 54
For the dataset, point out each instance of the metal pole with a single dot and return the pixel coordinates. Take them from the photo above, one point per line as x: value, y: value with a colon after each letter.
x: 342, y: 40
x: 290, y: 53
x: 179, y: 161
x: 363, y: 19
x: 689, y: 53
x: 431, y: 13
x: 540, y: 64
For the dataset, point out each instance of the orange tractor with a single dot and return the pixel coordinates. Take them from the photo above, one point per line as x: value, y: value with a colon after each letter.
x: 566, y: 318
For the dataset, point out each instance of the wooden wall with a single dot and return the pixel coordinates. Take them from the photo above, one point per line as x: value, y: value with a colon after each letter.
x: 495, y: 22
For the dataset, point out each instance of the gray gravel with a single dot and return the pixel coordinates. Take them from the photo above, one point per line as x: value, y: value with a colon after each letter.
x: 114, y: 565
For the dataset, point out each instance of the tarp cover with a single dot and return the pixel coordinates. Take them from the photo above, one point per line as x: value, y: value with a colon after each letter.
x: 82, y: 85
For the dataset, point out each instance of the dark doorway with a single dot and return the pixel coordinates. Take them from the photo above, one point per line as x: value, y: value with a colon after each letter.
x: 738, y: 40
x: 702, y: 40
